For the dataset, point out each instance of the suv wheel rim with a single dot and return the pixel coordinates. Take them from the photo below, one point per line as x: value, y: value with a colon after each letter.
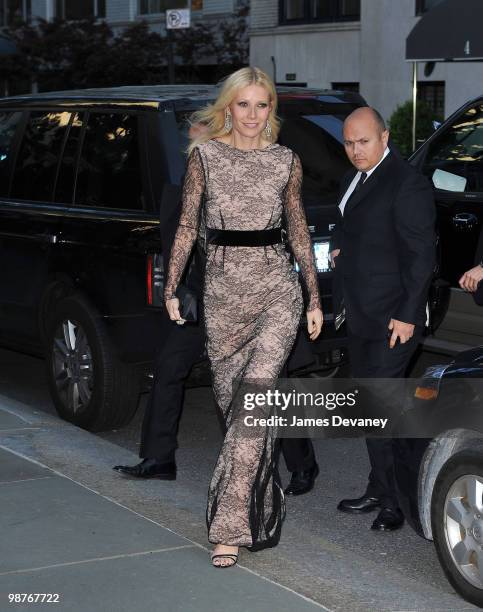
x: 463, y: 527
x: 72, y: 365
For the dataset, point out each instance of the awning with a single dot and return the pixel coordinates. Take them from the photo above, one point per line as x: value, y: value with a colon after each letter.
x: 451, y: 31
x: 7, y: 46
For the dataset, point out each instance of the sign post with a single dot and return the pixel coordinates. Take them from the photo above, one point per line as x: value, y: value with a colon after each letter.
x: 176, y: 19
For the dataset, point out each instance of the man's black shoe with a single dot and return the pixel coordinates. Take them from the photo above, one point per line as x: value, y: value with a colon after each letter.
x: 149, y: 468
x: 303, y: 481
x: 388, y: 520
x: 366, y: 503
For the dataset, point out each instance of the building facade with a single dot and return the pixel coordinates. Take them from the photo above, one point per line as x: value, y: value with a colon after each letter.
x: 357, y: 45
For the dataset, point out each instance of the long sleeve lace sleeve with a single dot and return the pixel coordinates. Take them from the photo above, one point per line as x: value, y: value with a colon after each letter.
x: 193, y: 188
x: 298, y: 233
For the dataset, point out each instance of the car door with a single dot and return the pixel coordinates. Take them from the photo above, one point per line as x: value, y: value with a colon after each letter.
x: 30, y: 223
x: 453, y: 160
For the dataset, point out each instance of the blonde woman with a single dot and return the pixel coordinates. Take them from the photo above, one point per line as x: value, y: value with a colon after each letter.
x: 252, y: 296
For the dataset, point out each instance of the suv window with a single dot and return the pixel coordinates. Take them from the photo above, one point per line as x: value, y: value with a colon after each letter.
x: 8, y: 125
x: 313, y: 129
x: 454, y: 160
x: 109, y: 172
x: 64, y: 189
x: 39, y: 154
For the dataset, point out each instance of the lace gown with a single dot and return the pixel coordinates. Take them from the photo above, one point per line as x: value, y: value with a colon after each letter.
x: 252, y: 305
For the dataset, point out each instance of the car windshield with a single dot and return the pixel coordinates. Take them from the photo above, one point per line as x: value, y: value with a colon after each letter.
x: 312, y: 127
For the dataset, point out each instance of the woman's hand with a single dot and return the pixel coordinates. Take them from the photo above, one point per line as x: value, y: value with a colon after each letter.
x: 172, y: 306
x: 315, y: 319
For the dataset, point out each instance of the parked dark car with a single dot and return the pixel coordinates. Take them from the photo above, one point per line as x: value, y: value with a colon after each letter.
x: 439, y: 473
x: 82, y: 176
x: 453, y: 159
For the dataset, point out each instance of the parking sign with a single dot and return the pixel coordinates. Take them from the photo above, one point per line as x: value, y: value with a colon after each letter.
x: 176, y: 19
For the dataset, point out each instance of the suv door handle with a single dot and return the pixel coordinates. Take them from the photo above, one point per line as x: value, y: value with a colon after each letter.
x: 465, y: 221
x: 49, y: 238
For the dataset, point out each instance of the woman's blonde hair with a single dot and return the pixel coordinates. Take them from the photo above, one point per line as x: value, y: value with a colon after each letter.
x: 212, y: 117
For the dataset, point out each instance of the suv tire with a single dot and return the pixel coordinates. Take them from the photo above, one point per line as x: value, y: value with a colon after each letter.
x: 90, y: 387
x: 457, y: 523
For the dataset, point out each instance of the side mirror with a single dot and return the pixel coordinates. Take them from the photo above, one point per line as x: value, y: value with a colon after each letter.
x: 436, y: 125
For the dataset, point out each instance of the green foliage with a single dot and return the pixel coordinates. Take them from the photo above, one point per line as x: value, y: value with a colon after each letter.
x: 401, y: 125
x: 135, y: 57
x: 222, y: 44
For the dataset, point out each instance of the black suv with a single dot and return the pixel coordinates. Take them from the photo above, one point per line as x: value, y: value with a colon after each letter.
x: 82, y: 176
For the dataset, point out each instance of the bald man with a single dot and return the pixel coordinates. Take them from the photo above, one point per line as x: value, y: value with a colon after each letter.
x: 383, y: 254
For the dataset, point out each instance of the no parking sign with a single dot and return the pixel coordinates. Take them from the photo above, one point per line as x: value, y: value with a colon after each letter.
x: 177, y: 19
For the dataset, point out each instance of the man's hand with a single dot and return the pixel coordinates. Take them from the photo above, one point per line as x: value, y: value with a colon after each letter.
x: 315, y: 320
x: 401, y: 330
x: 470, y: 279
x: 333, y: 255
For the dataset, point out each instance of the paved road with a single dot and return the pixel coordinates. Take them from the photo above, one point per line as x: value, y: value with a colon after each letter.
x: 332, y: 558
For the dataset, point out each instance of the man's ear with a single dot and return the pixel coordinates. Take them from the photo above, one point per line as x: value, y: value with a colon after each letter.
x: 385, y: 137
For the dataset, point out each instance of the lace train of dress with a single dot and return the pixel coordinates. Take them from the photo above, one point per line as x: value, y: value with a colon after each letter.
x: 252, y: 304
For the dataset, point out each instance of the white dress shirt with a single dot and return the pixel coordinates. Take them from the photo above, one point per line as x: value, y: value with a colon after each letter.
x: 355, y: 180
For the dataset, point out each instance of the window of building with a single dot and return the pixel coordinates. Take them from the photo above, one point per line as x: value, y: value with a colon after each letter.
x: 306, y: 11
x: 37, y: 160
x: 458, y: 152
x: 80, y: 9
x: 346, y: 87
x: 109, y: 172
x: 432, y: 94
x: 14, y: 11
x: 423, y: 6
x: 8, y: 125
x: 154, y: 7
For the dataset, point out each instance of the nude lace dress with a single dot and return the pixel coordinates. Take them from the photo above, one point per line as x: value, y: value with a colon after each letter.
x: 252, y: 307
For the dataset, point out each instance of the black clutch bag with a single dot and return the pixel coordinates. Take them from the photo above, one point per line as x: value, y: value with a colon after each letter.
x: 188, y: 304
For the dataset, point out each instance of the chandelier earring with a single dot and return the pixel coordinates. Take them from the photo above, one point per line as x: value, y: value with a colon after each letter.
x: 228, y: 122
x: 268, y: 130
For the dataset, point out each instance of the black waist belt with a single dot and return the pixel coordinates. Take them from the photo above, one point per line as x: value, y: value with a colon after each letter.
x: 252, y: 238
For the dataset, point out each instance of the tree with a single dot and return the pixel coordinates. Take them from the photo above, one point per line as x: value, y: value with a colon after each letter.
x: 135, y: 57
x: 401, y: 125
x: 80, y: 54
x: 222, y: 45
x: 192, y: 46
x: 55, y: 54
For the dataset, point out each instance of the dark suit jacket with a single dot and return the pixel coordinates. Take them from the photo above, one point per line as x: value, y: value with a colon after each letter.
x: 387, y: 243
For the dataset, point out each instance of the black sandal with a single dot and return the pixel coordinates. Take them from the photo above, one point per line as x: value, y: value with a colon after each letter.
x: 231, y: 556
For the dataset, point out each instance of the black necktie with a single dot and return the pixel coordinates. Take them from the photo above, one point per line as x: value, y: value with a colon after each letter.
x: 359, y: 183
